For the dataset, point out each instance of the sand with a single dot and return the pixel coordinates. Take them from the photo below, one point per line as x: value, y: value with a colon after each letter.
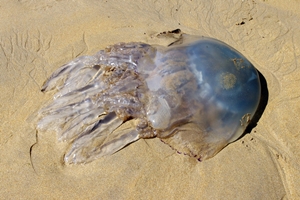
x: 36, y: 38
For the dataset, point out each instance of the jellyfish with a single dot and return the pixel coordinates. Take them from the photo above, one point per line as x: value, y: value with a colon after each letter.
x: 197, y: 95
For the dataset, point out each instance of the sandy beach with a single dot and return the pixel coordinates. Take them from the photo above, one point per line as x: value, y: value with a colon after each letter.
x: 36, y: 38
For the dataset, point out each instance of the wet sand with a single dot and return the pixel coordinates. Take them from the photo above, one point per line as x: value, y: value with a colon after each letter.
x: 37, y: 38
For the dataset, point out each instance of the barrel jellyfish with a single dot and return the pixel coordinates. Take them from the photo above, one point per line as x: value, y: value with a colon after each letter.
x: 197, y: 95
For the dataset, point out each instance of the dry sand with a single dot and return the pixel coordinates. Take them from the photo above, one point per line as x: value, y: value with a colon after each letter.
x: 39, y: 36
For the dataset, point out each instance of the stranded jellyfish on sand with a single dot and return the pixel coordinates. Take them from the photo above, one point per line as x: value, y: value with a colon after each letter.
x: 197, y: 95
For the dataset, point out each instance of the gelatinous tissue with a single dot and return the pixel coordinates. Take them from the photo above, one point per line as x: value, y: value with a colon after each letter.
x: 197, y: 95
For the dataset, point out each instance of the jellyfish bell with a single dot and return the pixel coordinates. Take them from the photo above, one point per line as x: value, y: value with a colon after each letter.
x: 218, y: 91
